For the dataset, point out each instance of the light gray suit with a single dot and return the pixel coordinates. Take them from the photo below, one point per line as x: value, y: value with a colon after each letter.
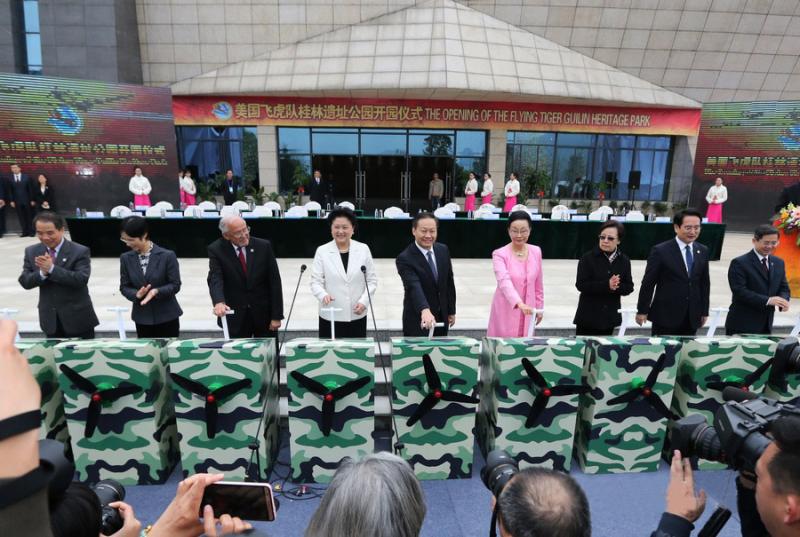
x: 163, y: 274
x: 63, y: 294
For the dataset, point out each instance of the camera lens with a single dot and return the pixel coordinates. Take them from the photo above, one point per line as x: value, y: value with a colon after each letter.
x: 694, y: 437
x: 706, y: 444
x: 500, y: 468
x: 109, y: 491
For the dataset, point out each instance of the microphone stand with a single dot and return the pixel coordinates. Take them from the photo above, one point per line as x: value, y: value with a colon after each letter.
x: 255, y: 443
x: 398, y: 445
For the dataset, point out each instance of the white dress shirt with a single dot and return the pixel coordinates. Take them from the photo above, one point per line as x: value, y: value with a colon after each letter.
x: 512, y: 188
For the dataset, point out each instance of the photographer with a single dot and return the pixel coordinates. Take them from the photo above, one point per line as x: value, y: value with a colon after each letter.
x: 684, y: 507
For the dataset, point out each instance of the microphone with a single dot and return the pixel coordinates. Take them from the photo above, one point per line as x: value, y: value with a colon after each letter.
x: 254, y: 441
x: 398, y: 445
x: 731, y: 393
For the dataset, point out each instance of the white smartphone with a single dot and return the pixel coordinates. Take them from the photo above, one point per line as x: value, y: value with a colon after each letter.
x: 248, y: 501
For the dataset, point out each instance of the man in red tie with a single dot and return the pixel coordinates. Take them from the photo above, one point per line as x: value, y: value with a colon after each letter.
x: 243, y: 276
x: 758, y: 284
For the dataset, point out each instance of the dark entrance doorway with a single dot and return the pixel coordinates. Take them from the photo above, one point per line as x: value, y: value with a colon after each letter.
x: 341, y: 172
x: 382, y: 181
x: 421, y: 170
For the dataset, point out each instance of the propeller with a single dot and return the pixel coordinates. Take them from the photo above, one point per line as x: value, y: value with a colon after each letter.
x: 742, y: 384
x: 545, y: 391
x: 212, y: 397
x: 436, y: 393
x: 645, y: 390
x: 329, y: 397
x: 97, y: 396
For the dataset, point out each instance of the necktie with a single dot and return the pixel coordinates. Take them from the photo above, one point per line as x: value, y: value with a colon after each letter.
x: 51, y: 253
x: 766, y: 265
x: 689, y: 259
x: 16, y: 178
x: 242, y: 260
x: 432, y: 264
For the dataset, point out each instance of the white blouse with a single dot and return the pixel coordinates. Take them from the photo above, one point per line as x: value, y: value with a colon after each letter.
x: 188, y: 186
x: 139, y: 185
x: 720, y: 192
x: 512, y: 188
x: 471, y: 188
x: 488, y: 187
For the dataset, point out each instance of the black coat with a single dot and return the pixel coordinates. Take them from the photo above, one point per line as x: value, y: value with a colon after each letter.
x: 22, y: 192
x: 163, y: 273
x: 230, y: 190
x: 749, y: 313
x: 677, y: 294
x: 598, y: 304
x: 321, y: 193
x: 790, y: 194
x: 260, y: 290
x: 422, y: 291
x: 40, y: 197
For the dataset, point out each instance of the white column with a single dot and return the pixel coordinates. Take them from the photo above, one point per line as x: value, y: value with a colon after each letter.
x: 497, y: 159
x: 268, y: 157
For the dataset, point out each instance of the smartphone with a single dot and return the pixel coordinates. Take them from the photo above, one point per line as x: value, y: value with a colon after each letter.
x: 248, y: 501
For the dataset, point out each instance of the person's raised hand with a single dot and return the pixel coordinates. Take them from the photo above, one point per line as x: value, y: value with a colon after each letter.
x: 181, y: 518
x: 640, y: 318
x: 681, y: 498
x: 131, y: 527
x: 225, y: 525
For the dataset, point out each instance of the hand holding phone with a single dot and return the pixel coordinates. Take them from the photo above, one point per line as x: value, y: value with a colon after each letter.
x: 248, y: 501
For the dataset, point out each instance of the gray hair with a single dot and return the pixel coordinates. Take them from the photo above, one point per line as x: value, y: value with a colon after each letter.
x: 378, y: 496
x: 224, y: 222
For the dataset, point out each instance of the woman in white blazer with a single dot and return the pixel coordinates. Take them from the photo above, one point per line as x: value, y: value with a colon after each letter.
x: 337, y: 280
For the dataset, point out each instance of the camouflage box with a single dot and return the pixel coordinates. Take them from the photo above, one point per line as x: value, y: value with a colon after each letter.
x: 219, y: 395
x: 516, y: 411
x: 119, y: 411
x: 707, y: 365
x: 439, y: 443
x: 623, y: 419
x: 331, y: 404
x: 41, y: 358
x: 790, y: 393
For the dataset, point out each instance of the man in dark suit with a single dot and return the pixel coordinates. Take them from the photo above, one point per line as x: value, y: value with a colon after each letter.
x: 427, y: 274
x: 758, y: 284
x: 230, y: 188
x: 21, y: 197
x: 3, y: 199
x: 243, y: 276
x: 60, y: 269
x: 790, y: 194
x: 678, y: 271
x: 319, y: 190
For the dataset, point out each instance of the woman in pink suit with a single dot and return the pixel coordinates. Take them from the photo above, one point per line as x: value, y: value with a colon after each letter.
x: 518, y: 269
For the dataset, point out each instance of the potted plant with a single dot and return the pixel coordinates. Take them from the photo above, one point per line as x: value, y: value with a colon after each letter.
x: 660, y: 208
x: 613, y: 204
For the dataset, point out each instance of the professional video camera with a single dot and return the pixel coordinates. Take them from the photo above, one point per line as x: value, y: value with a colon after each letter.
x: 51, y: 454
x: 786, y: 360
x: 738, y: 435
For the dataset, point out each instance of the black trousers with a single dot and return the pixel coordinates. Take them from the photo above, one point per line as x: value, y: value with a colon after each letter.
x: 250, y: 328
x: 586, y: 331
x: 60, y: 333
x: 2, y: 220
x: 684, y: 329
x: 25, y: 216
x: 164, y: 330
x: 344, y: 329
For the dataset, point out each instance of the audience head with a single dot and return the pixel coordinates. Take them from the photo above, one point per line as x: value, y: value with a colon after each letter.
x: 75, y: 513
x: 343, y: 224
x: 134, y: 233
x: 15, y: 168
x: 235, y: 230
x: 519, y: 227
x: 610, y: 236
x: 778, y: 483
x: 765, y: 239
x: 687, y: 224
x: 378, y: 496
x: 425, y: 228
x: 49, y: 228
x: 137, y: 170
x: 538, y: 502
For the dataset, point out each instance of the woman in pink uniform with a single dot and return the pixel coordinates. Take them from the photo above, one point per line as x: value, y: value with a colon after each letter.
x: 470, y: 190
x: 488, y: 189
x: 511, y: 190
x: 188, y: 188
x: 140, y: 187
x: 518, y: 269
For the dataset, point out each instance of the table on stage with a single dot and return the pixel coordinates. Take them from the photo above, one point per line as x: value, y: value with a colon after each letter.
x: 299, y: 237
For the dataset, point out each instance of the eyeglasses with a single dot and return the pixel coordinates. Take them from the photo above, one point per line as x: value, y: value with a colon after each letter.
x: 609, y: 238
x: 690, y: 228
x: 242, y: 233
x: 520, y: 232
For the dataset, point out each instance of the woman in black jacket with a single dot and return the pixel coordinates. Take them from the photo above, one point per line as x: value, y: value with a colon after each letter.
x: 43, y: 194
x: 604, y: 275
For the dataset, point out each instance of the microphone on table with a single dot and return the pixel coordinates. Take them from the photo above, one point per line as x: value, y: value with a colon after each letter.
x: 254, y: 441
x: 398, y: 445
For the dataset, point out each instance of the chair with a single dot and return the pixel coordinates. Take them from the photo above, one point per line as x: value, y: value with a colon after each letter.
x: 313, y: 206
x: 297, y: 212
x: 634, y: 216
x: 519, y: 207
x: 261, y: 212
x: 154, y: 211
x: 273, y: 206
x: 455, y: 207
x: 207, y: 205
x: 120, y: 211
x: 393, y: 212
x: 229, y: 210
x: 348, y: 205
x: 559, y: 212
x: 193, y: 211
x: 167, y: 206
x: 487, y: 206
x: 444, y: 212
x: 598, y: 216
x: 241, y: 205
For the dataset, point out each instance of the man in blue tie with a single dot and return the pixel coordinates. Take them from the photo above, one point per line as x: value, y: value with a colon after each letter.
x: 427, y: 274
x: 678, y: 272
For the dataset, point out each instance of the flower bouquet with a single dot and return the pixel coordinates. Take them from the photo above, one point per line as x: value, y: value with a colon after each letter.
x: 789, y: 221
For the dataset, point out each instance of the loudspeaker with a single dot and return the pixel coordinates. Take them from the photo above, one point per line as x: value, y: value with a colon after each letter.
x: 611, y: 180
x: 634, y: 180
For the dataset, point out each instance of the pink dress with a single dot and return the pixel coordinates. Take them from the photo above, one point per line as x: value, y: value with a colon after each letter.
x: 469, y: 203
x: 141, y: 200
x: 517, y: 281
x: 714, y: 213
x: 188, y: 199
x: 510, y: 202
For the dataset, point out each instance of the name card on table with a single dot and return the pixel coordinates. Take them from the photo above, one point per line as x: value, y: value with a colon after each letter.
x: 705, y: 220
x: 617, y: 218
x: 572, y: 211
x: 493, y: 216
x: 95, y: 214
x: 142, y: 208
x: 536, y: 217
x: 446, y: 217
x: 579, y: 218
x: 663, y: 219
x: 249, y: 215
x: 173, y: 214
x: 209, y: 214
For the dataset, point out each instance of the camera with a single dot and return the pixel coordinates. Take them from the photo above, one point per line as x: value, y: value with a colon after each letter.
x: 109, y: 491
x: 786, y: 360
x: 738, y: 435
x: 500, y: 468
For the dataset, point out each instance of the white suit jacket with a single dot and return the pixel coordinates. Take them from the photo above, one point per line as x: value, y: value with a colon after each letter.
x: 328, y: 277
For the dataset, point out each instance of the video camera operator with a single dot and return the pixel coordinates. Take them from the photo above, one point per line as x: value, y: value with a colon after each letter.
x: 534, y: 502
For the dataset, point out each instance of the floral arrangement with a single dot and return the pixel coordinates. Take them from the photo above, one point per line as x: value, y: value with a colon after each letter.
x: 789, y: 220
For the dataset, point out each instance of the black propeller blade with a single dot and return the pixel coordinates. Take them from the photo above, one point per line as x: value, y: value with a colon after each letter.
x: 329, y: 397
x: 645, y: 391
x: 212, y: 397
x: 98, y: 396
x: 745, y: 384
x: 436, y: 393
x: 545, y: 391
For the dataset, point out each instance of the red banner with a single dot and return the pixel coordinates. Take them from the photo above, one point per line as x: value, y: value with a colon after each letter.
x: 385, y: 113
